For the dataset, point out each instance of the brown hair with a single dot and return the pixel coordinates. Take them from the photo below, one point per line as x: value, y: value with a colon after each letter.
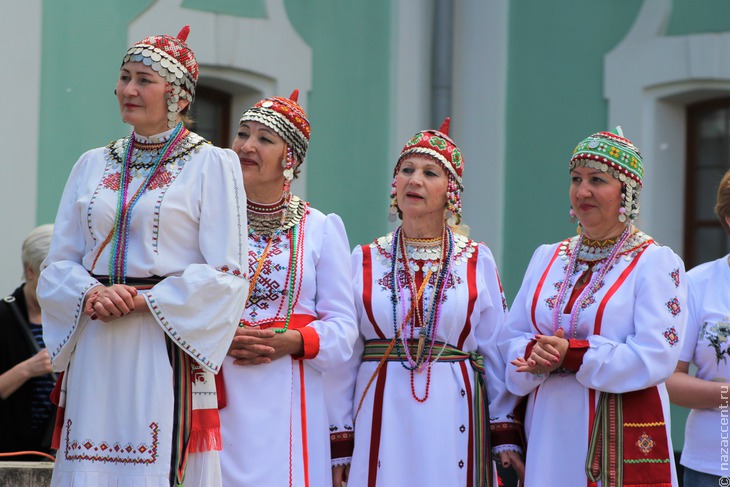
x: 722, y: 207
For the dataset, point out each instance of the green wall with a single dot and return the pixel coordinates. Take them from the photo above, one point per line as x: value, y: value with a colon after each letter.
x: 241, y: 8
x: 554, y: 100
x: 693, y: 17
x: 349, y: 108
x: 82, y: 48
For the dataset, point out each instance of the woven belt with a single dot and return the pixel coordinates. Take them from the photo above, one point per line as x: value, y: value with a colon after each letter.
x: 375, y: 351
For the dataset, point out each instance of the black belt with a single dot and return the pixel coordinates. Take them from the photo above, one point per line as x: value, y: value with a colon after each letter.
x: 131, y: 281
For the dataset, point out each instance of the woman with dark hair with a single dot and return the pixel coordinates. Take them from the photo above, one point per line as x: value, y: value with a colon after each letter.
x: 143, y: 287
x: 594, y: 333
x: 279, y: 425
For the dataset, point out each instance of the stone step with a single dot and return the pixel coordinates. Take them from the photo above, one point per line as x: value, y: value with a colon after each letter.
x: 25, y: 474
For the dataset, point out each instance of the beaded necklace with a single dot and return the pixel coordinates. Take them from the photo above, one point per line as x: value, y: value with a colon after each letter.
x: 120, y: 234
x: 589, y: 289
x: 427, y: 333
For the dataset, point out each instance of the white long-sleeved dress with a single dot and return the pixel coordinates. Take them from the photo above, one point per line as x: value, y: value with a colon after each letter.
x: 279, y: 421
x: 398, y: 439
x: 189, y: 229
x: 629, y: 331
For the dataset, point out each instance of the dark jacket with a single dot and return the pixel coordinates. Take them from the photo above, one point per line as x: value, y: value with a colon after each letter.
x: 15, y: 411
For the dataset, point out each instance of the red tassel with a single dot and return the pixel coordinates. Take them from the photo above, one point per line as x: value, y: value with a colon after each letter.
x: 183, y: 35
x: 445, y: 126
x: 294, y: 95
x: 205, y: 440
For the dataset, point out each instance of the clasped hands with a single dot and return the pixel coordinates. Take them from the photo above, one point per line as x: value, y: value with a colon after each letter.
x: 109, y: 303
x: 254, y: 346
x: 548, y: 353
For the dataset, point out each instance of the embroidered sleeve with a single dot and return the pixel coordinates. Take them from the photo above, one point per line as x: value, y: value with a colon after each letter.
x: 653, y: 314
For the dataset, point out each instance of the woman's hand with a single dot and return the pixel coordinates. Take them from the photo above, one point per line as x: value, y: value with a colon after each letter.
x: 13, y: 379
x: 339, y: 475
x: 109, y: 303
x: 548, y: 353
x: 39, y: 364
x: 254, y: 346
x: 514, y: 460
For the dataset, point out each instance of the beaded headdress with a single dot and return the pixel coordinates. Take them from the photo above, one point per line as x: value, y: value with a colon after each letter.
x: 613, y: 154
x: 436, y: 144
x: 285, y: 117
x: 172, y: 59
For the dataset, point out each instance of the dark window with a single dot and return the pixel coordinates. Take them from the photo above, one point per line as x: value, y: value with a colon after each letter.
x: 708, y: 157
x: 211, y: 114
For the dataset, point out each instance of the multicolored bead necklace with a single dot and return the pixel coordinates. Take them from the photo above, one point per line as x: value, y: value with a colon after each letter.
x: 589, y: 289
x: 120, y: 234
x: 272, y: 213
x: 428, y: 331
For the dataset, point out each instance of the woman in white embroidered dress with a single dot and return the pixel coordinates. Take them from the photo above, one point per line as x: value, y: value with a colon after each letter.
x: 594, y: 333
x: 430, y: 307
x: 706, y: 344
x: 279, y: 428
x: 142, y: 288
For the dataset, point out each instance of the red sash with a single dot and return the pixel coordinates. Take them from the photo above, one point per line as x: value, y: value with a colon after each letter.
x: 629, y: 445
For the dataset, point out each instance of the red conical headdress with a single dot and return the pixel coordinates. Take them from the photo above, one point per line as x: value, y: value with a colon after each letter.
x: 285, y: 117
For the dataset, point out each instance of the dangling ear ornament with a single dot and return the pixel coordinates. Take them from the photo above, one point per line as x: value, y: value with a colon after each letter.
x: 451, y: 219
x: 392, y: 214
x: 622, y: 214
x: 573, y: 218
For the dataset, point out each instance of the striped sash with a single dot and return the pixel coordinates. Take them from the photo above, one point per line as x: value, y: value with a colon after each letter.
x: 628, y: 443
x: 379, y: 350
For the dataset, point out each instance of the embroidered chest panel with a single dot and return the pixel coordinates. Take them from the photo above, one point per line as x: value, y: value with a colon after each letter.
x: 142, y: 161
x: 464, y: 249
x: 592, y: 258
x: 422, y: 260
x: 278, y: 272
x: 140, y: 166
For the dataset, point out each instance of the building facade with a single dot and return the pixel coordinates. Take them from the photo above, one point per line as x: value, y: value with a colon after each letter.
x: 524, y: 81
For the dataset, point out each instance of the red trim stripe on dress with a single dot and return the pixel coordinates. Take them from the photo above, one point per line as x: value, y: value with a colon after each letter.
x: 470, y: 440
x: 597, y: 331
x: 367, y: 287
x: 303, y: 419
x: 471, y: 273
x: 540, y: 283
x: 619, y: 282
x: 376, y: 427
